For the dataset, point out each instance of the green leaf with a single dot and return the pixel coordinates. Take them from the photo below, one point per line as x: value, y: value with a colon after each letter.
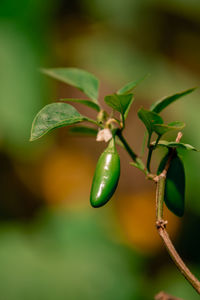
x: 83, y: 130
x: 119, y: 102
x: 82, y: 80
x: 128, y: 108
x: 88, y: 103
x: 159, y: 105
x: 167, y: 144
x: 127, y: 88
x: 53, y: 116
x: 149, y: 119
x: 161, y: 129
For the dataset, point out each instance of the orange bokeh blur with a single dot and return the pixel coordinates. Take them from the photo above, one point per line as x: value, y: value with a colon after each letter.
x: 66, y: 175
x: 137, y: 217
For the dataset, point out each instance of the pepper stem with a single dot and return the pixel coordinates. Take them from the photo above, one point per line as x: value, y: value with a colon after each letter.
x: 111, y: 145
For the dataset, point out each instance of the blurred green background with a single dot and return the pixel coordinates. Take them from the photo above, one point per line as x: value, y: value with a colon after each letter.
x: 53, y: 245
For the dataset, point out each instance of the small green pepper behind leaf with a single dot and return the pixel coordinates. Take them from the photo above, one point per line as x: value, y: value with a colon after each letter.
x: 106, y: 176
x: 174, y: 196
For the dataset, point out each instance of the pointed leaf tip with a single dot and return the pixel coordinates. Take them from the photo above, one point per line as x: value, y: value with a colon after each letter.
x: 127, y: 88
x: 82, y: 80
x: 159, y: 105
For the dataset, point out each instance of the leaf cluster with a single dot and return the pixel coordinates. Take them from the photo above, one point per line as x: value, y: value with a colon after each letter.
x: 62, y: 113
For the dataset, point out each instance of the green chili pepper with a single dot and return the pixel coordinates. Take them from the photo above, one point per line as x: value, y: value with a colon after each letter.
x: 174, y: 196
x: 106, y: 176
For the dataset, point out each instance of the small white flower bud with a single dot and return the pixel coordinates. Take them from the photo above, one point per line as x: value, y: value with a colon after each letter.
x: 104, y: 135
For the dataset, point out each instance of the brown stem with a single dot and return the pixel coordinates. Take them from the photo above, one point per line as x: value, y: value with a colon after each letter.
x: 177, y: 259
x: 165, y: 296
x: 161, y: 225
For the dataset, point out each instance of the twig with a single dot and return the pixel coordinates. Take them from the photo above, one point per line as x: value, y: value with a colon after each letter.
x: 161, y: 224
x: 165, y: 296
x: 132, y: 154
x: 151, y: 149
x: 176, y: 258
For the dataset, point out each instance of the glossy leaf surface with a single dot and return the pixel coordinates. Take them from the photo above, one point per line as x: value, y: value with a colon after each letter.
x: 53, y: 116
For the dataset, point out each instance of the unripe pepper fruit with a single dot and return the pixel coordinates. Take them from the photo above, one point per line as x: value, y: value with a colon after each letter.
x: 106, y: 176
x: 174, y: 195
